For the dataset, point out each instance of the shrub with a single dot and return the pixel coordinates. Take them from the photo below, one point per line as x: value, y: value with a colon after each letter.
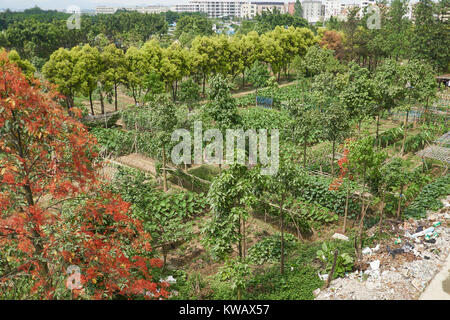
x: 344, y: 262
x: 429, y: 198
x: 269, y: 249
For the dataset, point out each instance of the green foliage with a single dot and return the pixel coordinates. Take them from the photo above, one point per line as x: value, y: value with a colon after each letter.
x: 418, y: 142
x: 316, y: 189
x: 110, y: 122
x: 258, y: 118
x: 279, y: 95
x: 236, y: 271
x: 318, y: 60
x: 196, y: 25
x: 221, y: 106
x: 391, y: 136
x: 258, y: 75
x: 137, y: 189
x: 114, y: 141
x: 297, y: 284
x: 230, y: 196
x: 429, y: 198
x: 189, y: 93
x: 344, y: 262
x: 269, y: 249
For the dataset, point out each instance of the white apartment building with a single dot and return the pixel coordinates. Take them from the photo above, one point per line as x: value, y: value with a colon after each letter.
x: 105, y: 10
x: 339, y: 8
x: 313, y: 11
x: 251, y: 9
x: 146, y: 9
x: 213, y: 8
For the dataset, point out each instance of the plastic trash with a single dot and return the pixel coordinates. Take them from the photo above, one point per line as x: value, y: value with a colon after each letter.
x: 322, y: 277
x: 398, y: 240
x: 437, y: 224
x: 394, y: 252
x: 422, y: 233
x: 340, y: 236
x: 367, y: 251
x: 375, y: 265
x: 170, y: 279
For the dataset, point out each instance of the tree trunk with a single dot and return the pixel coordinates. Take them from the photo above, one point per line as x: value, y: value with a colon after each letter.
x: 102, y: 103
x: 243, y: 79
x: 240, y: 239
x: 304, y: 153
x: 330, y: 275
x: 282, y: 234
x: 332, y: 159
x: 404, y: 138
x: 115, y: 97
x: 381, y: 213
x: 204, y: 83
x: 399, y: 202
x: 164, y: 169
x: 244, y: 245
x: 164, y: 252
x: 346, y: 208
x: 378, y: 127
x: 91, y: 103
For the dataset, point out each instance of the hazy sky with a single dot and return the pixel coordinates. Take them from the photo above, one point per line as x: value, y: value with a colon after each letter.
x: 91, y: 4
x: 83, y: 4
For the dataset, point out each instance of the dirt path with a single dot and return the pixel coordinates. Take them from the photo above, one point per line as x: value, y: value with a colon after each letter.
x: 245, y: 93
x: 139, y: 161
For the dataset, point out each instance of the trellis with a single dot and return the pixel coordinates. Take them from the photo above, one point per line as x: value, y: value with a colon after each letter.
x: 439, y: 150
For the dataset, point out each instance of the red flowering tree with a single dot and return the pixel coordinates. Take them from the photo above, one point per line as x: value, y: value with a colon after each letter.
x: 62, y: 234
x: 337, y: 183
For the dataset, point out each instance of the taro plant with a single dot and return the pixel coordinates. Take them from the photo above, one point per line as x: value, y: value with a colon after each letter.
x: 344, y: 262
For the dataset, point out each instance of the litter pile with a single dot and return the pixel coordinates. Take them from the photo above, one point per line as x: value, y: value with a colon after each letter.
x: 399, y: 268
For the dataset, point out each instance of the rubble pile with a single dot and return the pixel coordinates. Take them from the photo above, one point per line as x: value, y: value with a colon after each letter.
x: 399, y: 268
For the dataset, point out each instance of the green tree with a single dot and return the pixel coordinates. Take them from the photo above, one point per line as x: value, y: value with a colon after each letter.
x: 358, y: 97
x: 231, y: 196
x: 114, y: 68
x: 258, y: 75
x: 305, y: 123
x: 431, y: 33
x: 236, y: 271
x: 336, y: 126
x: 421, y: 88
x: 60, y: 71
x: 87, y: 69
x: 189, y: 93
x: 222, y: 106
x: 389, y: 88
x: 298, y: 9
x: 394, y: 178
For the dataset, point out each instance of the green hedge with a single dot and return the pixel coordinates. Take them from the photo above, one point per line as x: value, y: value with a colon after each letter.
x: 429, y: 198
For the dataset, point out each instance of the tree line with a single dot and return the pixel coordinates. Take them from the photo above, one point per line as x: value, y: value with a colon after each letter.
x: 83, y: 69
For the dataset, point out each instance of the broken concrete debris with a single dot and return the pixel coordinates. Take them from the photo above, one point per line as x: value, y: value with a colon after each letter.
x: 398, y: 271
x: 340, y: 236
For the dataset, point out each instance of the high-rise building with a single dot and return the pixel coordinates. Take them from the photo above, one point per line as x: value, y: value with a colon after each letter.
x: 213, y: 8
x: 251, y: 9
x: 146, y: 9
x: 312, y: 11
